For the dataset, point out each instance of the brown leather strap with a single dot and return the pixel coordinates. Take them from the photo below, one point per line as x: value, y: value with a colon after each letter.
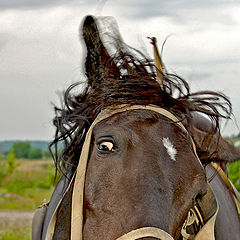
x: 207, y: 208
x: 146, y: 232
x: 207, y: 232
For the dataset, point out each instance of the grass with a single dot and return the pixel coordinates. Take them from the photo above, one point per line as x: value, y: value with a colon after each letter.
x: 234, y: 174
x: 32, y: 199
x: 28, y: 186
x: 25, y: 188
x: 15, y: 232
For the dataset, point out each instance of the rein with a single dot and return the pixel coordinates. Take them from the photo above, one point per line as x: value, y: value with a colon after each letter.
x: 206, y: 232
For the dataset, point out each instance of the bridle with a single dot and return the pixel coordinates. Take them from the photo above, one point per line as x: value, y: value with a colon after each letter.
x: 207, y: 228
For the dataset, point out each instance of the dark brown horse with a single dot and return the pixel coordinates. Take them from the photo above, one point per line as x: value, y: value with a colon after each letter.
x: 139, y: 167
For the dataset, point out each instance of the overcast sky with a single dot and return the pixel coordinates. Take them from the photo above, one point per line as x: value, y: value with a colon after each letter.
x: 40, y: 54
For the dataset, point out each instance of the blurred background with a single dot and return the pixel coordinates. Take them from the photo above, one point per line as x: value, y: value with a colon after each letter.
x: 41, y: 55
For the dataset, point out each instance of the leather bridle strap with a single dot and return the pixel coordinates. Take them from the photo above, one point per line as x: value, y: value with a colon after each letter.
x: 207, y: 231
x: 78, y: 190
x: 146, y: 232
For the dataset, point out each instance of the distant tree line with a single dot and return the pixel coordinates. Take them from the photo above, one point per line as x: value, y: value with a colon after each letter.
x: 25, y: 150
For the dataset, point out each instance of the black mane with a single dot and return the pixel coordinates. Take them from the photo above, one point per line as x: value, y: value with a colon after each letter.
x: 130, y: 78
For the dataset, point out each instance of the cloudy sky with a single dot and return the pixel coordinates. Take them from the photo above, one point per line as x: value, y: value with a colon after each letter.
x: 40, y: 54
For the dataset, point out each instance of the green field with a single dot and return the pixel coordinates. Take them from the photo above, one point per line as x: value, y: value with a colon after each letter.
x: 26, y: 187
x: 15, y: 232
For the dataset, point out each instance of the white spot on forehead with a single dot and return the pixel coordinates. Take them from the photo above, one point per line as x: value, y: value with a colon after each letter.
x: 171, y: 150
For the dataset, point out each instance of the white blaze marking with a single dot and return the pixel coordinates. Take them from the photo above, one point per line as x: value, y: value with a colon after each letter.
x: 170, y: 148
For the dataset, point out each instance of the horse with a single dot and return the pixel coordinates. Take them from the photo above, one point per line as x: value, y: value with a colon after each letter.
x: 140, y: 159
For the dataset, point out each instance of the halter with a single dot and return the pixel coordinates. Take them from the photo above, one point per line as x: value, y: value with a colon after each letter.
x: 207, y: 231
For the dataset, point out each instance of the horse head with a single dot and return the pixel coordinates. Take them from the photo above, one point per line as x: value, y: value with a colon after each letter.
x: 142, y: 172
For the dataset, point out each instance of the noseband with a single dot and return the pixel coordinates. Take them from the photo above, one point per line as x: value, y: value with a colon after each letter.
x: 206, y: 232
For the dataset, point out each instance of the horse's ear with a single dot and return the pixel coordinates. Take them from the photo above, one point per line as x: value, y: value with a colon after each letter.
x: 98, y: 60
x: 211, y: 147
x: 214, y: 148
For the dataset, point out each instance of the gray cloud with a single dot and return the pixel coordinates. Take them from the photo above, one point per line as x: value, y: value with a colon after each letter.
x: 181, y: 11
x: 29, y: 4
x: 177, y: 10
x: 148, y: 8
x: 13, y: 4
x: 4, y: 38
x: 142, y: 8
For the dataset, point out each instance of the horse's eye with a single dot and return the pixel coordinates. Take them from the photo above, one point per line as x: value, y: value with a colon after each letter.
x: 106, y: 147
